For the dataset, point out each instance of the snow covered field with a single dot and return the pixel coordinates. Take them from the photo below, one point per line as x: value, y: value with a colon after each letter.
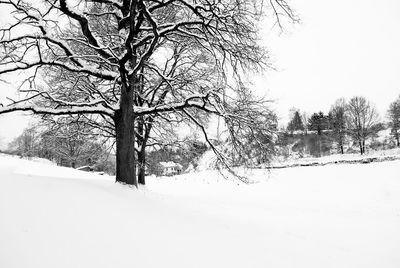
x: 379, y: 154
x: 324, y: 216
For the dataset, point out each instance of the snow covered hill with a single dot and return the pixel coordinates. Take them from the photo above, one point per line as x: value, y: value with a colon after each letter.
x: 325, y: 216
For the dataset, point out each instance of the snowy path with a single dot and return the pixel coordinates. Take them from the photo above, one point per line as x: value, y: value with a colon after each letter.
x: 331, y: 216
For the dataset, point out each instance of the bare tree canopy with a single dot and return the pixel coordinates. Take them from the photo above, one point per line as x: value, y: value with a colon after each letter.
x: 128, y: 59
x: 362, y: 120
x: 339, y: 119
x: 394, y: 120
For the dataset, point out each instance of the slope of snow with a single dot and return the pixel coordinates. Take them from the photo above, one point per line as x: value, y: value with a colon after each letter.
x: 330, y: 216
x: 45, y: 168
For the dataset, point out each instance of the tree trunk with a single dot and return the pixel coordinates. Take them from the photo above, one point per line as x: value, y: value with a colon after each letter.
x: 320, y: 146
x: 125, y: 139
x: 341, y: 148
x: 142, y: 167
x: 141, y: 154
x: 142, y: 141
x: 361, y: 148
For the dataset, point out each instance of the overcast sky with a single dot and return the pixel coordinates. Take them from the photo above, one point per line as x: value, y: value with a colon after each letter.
x: 341, y: 49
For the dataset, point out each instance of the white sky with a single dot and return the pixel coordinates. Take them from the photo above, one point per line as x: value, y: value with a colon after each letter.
x: 342, y: 48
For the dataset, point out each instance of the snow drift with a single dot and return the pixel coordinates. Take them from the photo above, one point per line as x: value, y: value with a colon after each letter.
x: 330, y: 216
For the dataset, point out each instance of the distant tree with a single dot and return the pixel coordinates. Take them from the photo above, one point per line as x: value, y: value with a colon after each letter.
x: 26, y: 143
x: 64, y: 141
x: 304, y: 118
x: 338, y: 122
x: 71, y: 142
x: 317, y: 122
x: 394, y: 117
x: 329, y: 121
x: 296, y: 123
x: 362, y: 120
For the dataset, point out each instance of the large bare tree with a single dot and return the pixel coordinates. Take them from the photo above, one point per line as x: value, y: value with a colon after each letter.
x: 362, y: 120
x: 127, y: 48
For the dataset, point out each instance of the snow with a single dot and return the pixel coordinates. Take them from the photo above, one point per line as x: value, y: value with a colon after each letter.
x: 324, y: 216
x: 170, y: 164
x: 39, y: 167
x: 379, y: 154
x: 207, y: 161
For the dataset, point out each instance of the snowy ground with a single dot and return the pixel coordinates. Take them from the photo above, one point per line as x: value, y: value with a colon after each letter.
x: 379, y: 154
x: 326, y: 216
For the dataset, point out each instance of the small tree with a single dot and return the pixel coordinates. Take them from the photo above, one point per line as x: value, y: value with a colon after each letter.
x: 73, y: 144
x: 394, y: 117
x: 296, y: 123
x: 26, y: 144
x: 338, y: 123
x: 65, y: 141
x: 304, y: 118
x: 318, y: 122
x: 362, y: 120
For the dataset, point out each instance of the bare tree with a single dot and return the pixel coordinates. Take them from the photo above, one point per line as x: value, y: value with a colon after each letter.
x: 26, y: 144
x: 338, y: 124
x: 252, y: 129
x: 65, y: 140
x: 117, y: 44
x: 362, y: 120
x: 394, y: 117
x: 71, y: 142
x: 304, y: 118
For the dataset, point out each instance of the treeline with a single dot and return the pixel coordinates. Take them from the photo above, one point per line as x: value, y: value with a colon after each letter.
x: 66, y: 143
x: 69, y: 142
x: 349, y: 124
x: 348, y: 121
